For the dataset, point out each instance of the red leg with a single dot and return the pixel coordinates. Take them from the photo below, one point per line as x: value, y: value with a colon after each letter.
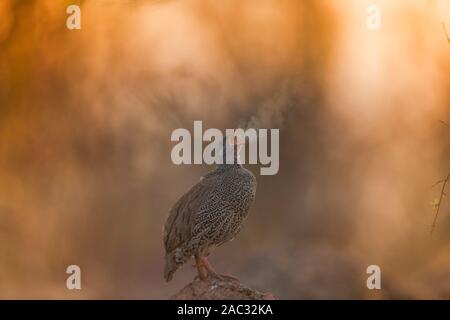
x: 213, y: 272
x: 208, y: 266
x: 202, y: 271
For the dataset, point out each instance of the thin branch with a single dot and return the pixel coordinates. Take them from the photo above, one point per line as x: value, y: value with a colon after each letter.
x: 437, y: 183
x: 446, y: 34
x: 441, y: 197
x: 445, y: 123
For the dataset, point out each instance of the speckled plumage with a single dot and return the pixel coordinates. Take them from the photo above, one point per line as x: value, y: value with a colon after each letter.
x: 208, y: 215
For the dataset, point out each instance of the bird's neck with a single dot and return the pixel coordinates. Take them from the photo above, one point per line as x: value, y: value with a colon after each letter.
x: 225, y: 166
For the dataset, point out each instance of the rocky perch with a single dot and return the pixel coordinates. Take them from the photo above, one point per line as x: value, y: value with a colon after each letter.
x: 226, y: 288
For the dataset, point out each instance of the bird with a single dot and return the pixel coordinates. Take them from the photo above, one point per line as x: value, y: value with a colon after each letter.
x: 210, y: 214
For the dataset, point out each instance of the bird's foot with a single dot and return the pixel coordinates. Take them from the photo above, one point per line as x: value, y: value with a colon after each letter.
x: 215, y: 277
x: 206, y: 271
x: 201, y: 276
x: 221, y: 277
x: 202, y: 272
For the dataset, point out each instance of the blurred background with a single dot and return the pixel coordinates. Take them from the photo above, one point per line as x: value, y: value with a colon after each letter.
x: 86, y: 117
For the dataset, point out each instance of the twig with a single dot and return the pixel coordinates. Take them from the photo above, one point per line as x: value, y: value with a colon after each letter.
x: 437, y: 183
x: 445, y: 123
x: 444, y: 183
x: 446, y: 34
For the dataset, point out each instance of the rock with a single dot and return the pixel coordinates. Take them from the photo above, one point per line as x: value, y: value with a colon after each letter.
x: 226, y: 288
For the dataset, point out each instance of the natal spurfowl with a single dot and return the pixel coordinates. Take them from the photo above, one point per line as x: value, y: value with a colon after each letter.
x: 209, y: 214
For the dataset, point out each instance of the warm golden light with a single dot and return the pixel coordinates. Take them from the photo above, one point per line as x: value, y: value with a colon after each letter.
x: 86, y: 116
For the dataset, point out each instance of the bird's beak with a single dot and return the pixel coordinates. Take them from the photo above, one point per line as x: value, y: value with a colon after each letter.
x: 234, y: 140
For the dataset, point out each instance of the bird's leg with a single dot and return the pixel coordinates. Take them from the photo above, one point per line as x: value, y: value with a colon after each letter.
x: 201, y: 268
x: 213, y: 272
x: 208, y: 266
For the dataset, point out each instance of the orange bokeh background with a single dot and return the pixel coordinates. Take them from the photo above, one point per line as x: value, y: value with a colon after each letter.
x: 86, y: 117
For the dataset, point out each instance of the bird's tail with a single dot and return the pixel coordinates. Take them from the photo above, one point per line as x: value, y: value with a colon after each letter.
x: 171, y: 266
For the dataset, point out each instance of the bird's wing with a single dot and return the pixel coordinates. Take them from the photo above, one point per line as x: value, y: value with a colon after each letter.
x: 178, y: 226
